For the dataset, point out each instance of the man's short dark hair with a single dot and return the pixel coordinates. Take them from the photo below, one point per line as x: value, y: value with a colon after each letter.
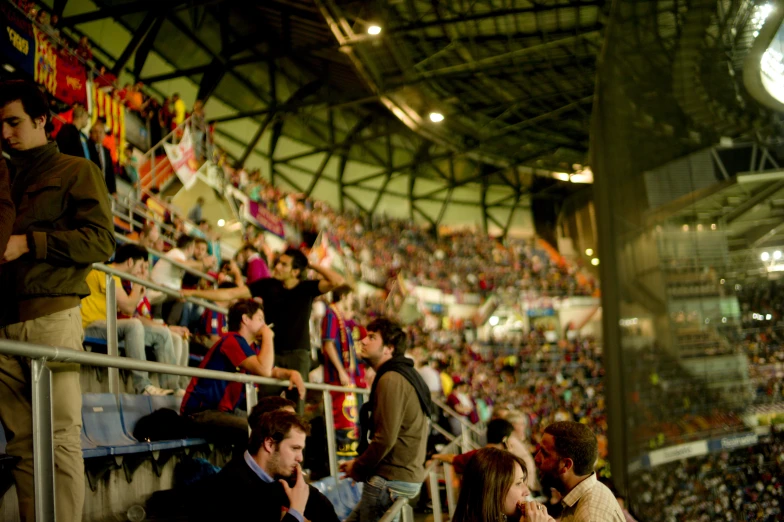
x: 391, y: 334
x: 275, y: 425
x: 129, y: 251
x: 577, y: 442
x: 299, y: 261
x: 266, y: 405
x: 498, y: 430
x: 242, y: 307
x: 33, y: 101
x: 248, y: 246
x: 200, y: 241
x: 340, y: 292
x: 184, y: 241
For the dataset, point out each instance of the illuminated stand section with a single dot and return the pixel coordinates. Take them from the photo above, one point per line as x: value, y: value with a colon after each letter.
x: 763, y: 70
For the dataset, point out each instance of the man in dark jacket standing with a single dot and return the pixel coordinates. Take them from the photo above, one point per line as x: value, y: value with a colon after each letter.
x: 70, y: 139
x: 101, y: 155
x: 393, y: 465
x: 63, y: 224
x: 7, y: 211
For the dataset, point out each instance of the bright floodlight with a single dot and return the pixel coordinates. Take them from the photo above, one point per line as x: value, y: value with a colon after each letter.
x: 494, y: 320
x: 589, y: 252
x: 595, y: 261
x: 765, y: 256
x: 436, y: 117
x: 374, y: 30
x: 768, y: 317
x: 221, y: 222
x: 777, y: 254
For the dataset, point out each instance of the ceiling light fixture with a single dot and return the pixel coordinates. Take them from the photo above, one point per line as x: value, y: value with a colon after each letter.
x: 436, y: 117
x: 221, y: 222
x: 595, y: 261
x: 374, y: 30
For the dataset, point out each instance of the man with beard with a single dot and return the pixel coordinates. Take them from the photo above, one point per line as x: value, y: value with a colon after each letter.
x: 267, y: 482
x: 565, y: 459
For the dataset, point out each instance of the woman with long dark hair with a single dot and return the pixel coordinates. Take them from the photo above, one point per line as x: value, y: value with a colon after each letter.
x: 494, y: 490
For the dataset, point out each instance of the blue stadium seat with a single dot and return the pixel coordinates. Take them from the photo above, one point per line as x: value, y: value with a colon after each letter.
x: 133, y: 408
x: 103, y: 425
x: 90, y: 450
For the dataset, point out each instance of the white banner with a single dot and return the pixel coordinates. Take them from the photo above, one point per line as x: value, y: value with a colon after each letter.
x: 182, y: 159
x: 679, y: 452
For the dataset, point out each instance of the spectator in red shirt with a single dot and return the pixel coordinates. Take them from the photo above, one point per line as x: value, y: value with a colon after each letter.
x: 341, y: 368
x: 217, y: 407
x: 84, y: 51
x: 460, y: 401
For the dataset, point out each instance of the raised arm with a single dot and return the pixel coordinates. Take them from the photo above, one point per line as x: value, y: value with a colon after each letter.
x: 331, y: 278
x: 220, y: 294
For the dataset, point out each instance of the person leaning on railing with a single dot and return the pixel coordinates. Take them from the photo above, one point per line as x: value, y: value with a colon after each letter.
x: 288, y: 299
x: 216, y: 408
x: 63, y: 224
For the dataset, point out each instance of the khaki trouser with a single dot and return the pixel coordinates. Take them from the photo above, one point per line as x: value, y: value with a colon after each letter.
x: 62, y: 329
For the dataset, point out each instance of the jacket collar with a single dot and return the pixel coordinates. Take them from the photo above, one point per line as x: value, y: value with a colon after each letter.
x: 25, y: 161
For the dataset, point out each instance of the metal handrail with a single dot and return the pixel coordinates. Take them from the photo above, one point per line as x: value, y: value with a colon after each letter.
x: 393, y: 511
x: 456, y: 415
x: 68, y: 355
x: 162, y: 257
x: 154, y: 286
x: 133, y: 209
x: 41, y: 400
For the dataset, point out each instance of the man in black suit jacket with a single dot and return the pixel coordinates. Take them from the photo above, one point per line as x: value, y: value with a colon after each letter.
x: 70, y: 139
x: 267, y: 484
x: 101, y: 155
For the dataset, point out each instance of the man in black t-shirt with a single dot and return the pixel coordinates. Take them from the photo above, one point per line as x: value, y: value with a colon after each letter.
x: 288, y: 299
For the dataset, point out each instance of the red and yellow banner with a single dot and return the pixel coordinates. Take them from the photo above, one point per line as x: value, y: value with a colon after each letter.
x: 112, y: 110
x: 63, y: 77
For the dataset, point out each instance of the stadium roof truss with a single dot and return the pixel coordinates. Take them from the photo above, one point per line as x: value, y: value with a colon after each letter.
x: 300, y: 90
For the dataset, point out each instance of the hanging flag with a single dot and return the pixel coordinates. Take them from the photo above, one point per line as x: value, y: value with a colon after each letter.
x: 182, y: 159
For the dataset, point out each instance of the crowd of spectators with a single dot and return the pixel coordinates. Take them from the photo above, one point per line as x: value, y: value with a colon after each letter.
x: 378, y: 248
x: 745, y: 484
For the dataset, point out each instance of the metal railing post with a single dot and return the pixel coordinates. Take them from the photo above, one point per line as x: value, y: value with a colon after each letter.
x: 112, y: 342
x: 407, y: 513
x: 251, y: 400
x: 43, y: 448
x: 450, y: 492
x: 332, y: 451
x: 465, y: 442
x: 435, y: 495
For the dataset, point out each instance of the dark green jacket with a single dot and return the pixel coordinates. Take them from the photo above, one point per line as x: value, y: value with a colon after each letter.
x: 63, y: 207
x: 6, y: 207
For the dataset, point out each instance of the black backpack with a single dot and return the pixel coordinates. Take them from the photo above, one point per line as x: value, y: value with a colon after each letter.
x: 163, y: 424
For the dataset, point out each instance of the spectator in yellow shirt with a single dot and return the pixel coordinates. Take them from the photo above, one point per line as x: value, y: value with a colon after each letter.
x: 179, y: 110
